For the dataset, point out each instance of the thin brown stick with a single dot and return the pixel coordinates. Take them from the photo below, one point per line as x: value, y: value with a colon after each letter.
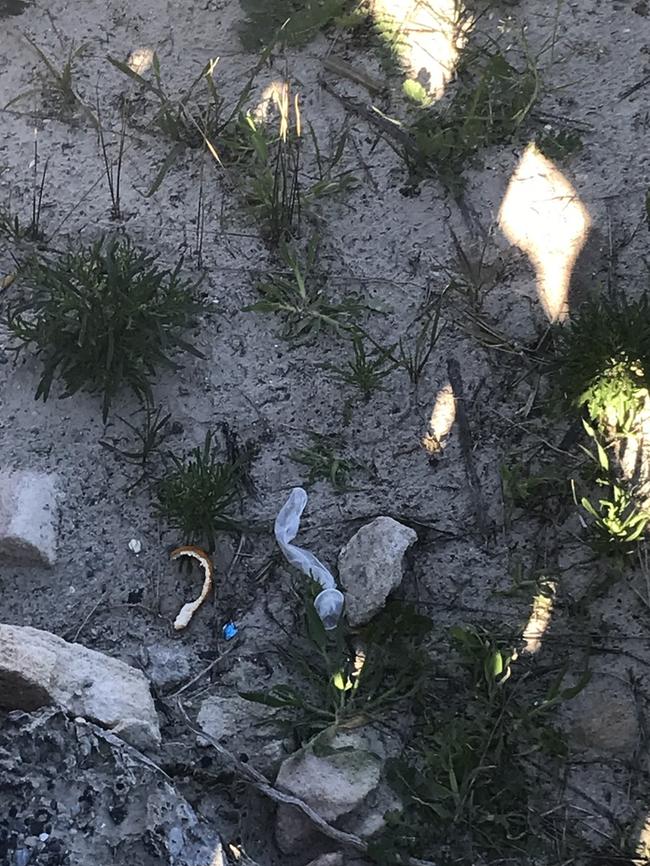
x: 262, y: 784
x: 465, y: 437
x: 87, y: 618
x: 201, y: 673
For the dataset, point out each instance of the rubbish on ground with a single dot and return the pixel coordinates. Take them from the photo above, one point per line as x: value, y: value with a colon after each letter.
x: 230, y: 630
x: 328, y: 603
x: 135, y: 546
x: 188, y: 610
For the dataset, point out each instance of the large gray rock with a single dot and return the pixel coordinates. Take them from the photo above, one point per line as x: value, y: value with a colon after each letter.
x: 74, y: 794
x: 38, y: 669
x: 333, y: 785
x: 370, y: 566
x: 28, y: 517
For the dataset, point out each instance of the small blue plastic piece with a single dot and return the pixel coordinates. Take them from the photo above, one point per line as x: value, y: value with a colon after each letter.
x: 230, y: 630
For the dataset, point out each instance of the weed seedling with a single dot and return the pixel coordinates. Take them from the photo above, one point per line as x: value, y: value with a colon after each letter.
x: 464, y: 780
x: 618, y: 523
x: 150, y: 435
x: 324, y: 462
x: 103, y: 317
x: 57, y: 83
x: 603, y: 360
x: 298, y: 298
x: 10, y: 224
x: 196, y: 496
x: 412, y: 351
x: 276, y: 189
x: 262, y: 18
x: 491, y: 102
x: 364, y: 371
x: 113, y: 169
x: 341, y: 680
x: 472, y: 275
x: 273, y: 182
x: 560, y: 145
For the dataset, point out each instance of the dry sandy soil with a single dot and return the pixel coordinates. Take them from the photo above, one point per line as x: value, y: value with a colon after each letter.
x: 387, y: 243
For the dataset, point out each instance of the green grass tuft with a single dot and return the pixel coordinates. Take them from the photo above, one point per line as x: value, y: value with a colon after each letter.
x: 102, y: 318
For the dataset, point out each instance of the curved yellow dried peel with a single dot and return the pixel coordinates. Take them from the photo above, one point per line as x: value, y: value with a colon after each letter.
x: 188, y: 610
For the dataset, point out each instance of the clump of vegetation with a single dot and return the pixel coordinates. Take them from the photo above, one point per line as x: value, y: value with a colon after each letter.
x: 298, y: 297
x: 275, y: 188
x: 195, y: 118
x: 340, y: 679
x: 272, y: 189
x: 525, y: 488
x: 197, y: 494
x: 365, y: 371
x: 149, y: 436
x: 414, y: 348
x: 603, y: 360
x: 263, y: 18
x: 466, y: 780
x: 324, y: 461
x: 618, y: 521
x: 57, y: 85
x: 11, y: 224
x: 101, y: 318
x: 491, y: 101
x: 561, y: 144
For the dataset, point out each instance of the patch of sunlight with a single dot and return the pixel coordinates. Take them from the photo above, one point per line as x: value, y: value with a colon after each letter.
x: 441, y: 421
x: 643, y: 846
x: 542, y: 214
x: 539, y: 620
x: 272, y: 95
x: 426, y: 38
x: 140, y: 60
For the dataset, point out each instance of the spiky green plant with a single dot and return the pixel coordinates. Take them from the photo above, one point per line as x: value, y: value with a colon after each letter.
x: 102, y: 318
x: 603, y: 359
x: 197, y: 494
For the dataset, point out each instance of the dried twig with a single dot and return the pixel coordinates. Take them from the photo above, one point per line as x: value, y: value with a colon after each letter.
x: 87, y: 618
x: 202, y: 673
x: 262, y: 784
x: 339, y: 66
x: 465, y: 437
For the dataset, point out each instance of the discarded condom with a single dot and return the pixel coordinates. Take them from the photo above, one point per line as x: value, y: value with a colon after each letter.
x: 328, y: 603
x: 188, y: 610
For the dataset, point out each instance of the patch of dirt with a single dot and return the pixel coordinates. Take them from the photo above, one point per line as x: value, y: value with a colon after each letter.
x: 387, y: 242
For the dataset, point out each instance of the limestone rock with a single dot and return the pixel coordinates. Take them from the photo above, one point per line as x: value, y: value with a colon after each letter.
x: 370, y: 566
x: 28, y: 517
x: 74, y: 794
x: 333, y: 784
x: 38, y: 669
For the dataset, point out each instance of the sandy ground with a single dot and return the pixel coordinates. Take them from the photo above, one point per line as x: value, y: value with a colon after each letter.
x: 375, y: 240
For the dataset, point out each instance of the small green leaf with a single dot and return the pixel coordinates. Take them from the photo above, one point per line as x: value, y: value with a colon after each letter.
x: 340, y: 682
